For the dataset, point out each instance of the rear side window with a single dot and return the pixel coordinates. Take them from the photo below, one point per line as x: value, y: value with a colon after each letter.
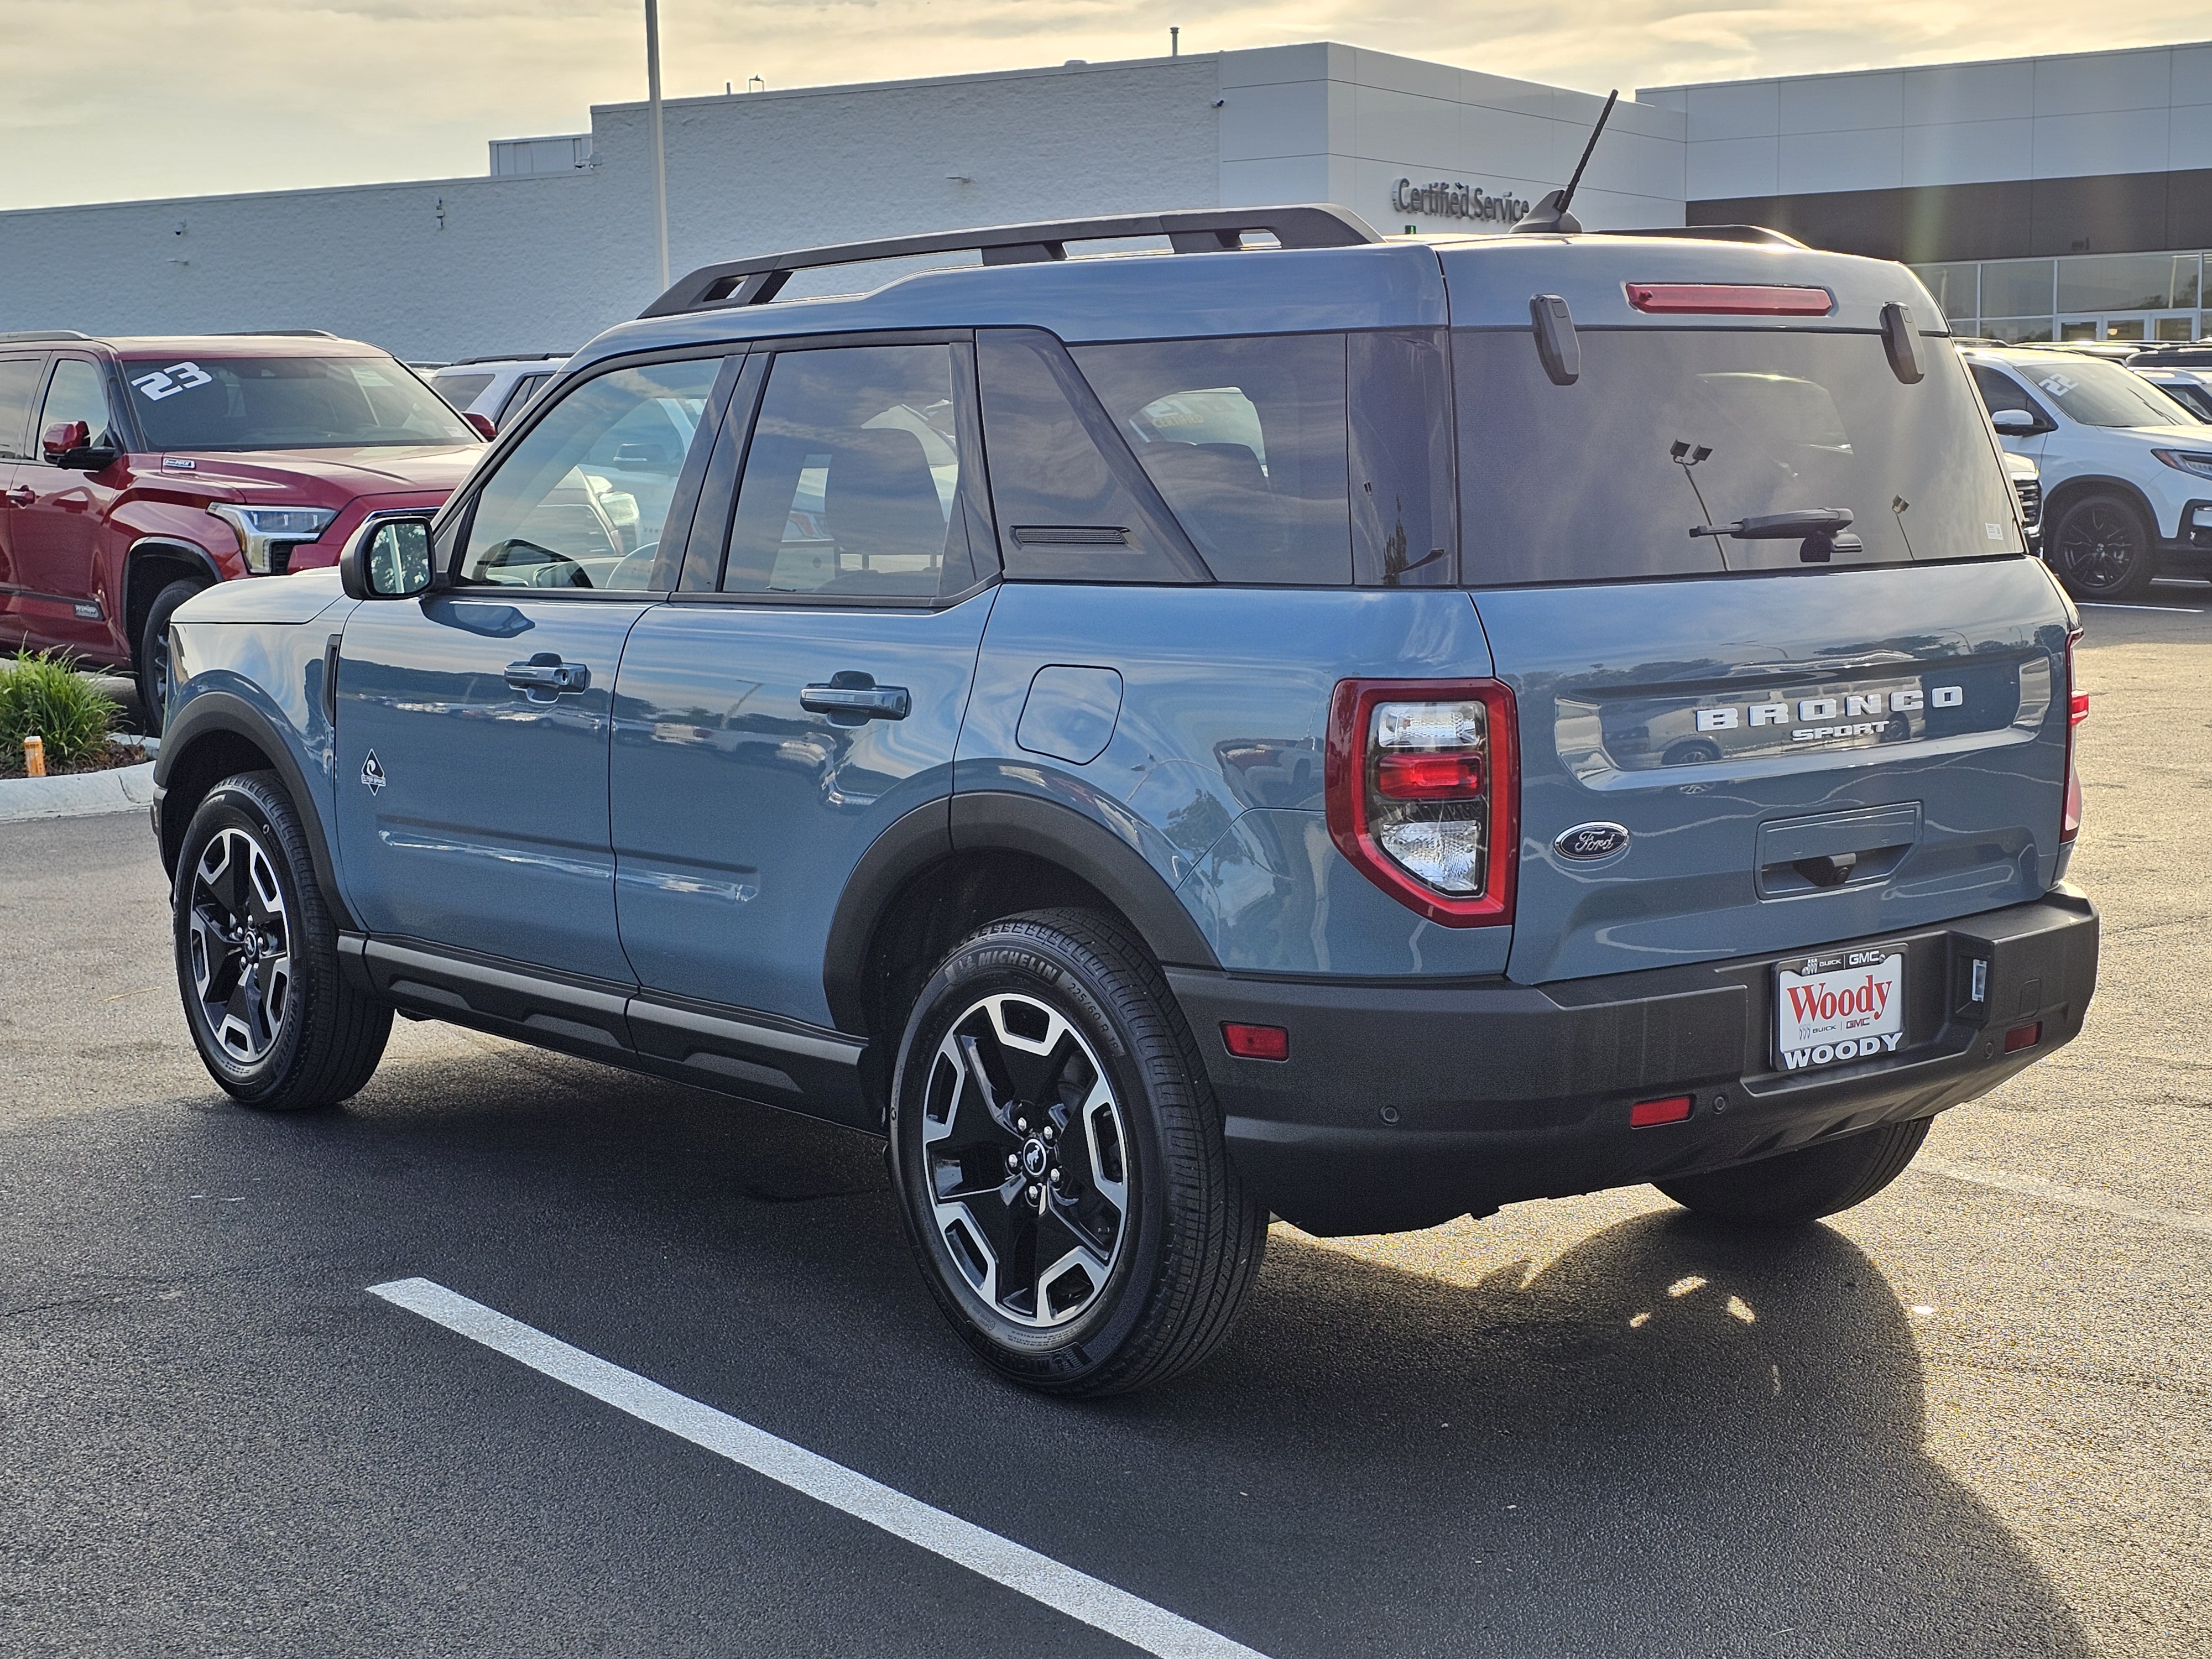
x: 1670, y: 430
x: 18, y: 385
x: 1069, y: 498
x: 460, y: 390
x: 852, y: 483
x: 1245, y: 441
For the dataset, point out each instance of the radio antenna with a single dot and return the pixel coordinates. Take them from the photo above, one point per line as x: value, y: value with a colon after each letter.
x: 1550, y: 217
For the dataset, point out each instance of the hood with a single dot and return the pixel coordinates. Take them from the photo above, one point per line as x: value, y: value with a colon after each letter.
x: 2191, y: 435
x: 330, y: 477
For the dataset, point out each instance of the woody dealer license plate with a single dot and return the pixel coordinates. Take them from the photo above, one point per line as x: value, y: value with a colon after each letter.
x: 1833, y: 1010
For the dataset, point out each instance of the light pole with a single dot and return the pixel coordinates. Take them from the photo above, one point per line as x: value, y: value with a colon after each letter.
x: 659, y: 149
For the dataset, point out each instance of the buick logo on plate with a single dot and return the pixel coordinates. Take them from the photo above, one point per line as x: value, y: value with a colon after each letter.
x: 1590, y: 841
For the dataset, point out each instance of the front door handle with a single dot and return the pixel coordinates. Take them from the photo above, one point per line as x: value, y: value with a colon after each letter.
x: 850, y: 704
x: 22, y: 495
x: 545, y: 677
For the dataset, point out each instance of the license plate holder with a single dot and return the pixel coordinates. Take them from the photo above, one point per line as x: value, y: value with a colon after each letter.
x: 1838, y: 1007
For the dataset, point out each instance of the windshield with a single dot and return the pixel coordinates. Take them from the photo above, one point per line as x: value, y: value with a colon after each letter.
x: 1666, y: 431
x: 2098, y: 394
x: 287, y: 403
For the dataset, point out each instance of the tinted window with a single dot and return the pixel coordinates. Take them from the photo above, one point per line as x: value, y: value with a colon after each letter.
x: 287, y: 403
x: 460, y: 390
x: 1403, y: 530
x: 519, y: 398
x: 2000, y: 391
x: 1067, y: 494
x: 78, y: 392
x: 2099, y: 393
x: 1245, y: 441
x: 583, y: 499
x: 19, y: 385
x: 852, y: 481
x: 1668, y: 429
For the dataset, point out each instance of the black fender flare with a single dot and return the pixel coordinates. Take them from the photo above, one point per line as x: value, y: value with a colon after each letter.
x: 209, y: 713
x: 986, y: 820
x: 135, y: 555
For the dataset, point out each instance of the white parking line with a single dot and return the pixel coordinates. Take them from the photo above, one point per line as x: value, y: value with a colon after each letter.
x: 2082, y: 1198
x: 1097, y: 1603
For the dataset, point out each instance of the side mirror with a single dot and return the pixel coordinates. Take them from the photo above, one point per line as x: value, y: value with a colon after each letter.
x: 68, y: 444
x: 2019, y: 423
x: 387, y: 559
x: 487, y: 428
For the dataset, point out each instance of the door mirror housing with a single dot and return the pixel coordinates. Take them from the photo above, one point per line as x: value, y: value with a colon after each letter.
x: 2017, y: 422
x: 388, y: 558
x: 68, y: 444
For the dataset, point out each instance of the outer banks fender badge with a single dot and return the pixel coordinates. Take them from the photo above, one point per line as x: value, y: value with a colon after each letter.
x: 371, y: 774
x: 1590, y: 841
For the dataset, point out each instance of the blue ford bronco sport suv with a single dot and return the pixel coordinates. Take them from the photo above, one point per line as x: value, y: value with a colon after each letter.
x: 1282, y: 722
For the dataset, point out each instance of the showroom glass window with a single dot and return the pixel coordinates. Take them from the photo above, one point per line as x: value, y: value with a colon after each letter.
x: 583, y: 501
x: 852, y: 480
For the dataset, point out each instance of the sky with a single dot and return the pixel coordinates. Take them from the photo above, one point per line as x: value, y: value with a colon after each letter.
x: 130, y: 99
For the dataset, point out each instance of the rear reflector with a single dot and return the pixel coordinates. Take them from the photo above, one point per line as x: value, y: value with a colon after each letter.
x: 1729, y: 299
x: 1645, y: 1113
x: 2023, y: 1036
x: 1429, y: 777
x: 1256, y: 1041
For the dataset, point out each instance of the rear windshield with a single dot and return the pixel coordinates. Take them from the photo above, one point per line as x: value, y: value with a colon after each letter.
x: 287, y: 403
x: 1668, y: 430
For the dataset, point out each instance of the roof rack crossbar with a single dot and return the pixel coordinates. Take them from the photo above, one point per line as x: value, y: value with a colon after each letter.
x: 23, y: 336
x: 1759, y: 234
x: 275, y: 334
x: 756, y: 281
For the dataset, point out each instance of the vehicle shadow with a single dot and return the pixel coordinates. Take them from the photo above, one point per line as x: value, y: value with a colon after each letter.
x: 1675, y: 1438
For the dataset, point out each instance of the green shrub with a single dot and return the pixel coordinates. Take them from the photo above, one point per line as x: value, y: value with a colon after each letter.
x: 41, y: 693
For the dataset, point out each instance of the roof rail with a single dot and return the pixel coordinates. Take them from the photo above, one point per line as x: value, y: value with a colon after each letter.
x: 1759, y: 234
x: 510, y: 357
x: 1203, y: 230
x: 274, y: 334
x: 23, y: 334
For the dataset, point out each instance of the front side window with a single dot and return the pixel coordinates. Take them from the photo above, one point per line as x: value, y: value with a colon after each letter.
x: 584, y: 500
x: 2000, y: 391
x: 852, y: 483
x: 1244, y: 439
x: 78, y: 392
x: 287, y: 403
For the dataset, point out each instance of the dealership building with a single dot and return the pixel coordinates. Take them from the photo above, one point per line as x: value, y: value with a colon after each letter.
x: 2064, y: 197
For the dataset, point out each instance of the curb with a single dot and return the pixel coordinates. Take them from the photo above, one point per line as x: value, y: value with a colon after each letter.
x: 79, y: 794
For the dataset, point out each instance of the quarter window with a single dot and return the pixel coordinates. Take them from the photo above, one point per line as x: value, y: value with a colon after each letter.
x: 584, y: 500
x: 852, y: 483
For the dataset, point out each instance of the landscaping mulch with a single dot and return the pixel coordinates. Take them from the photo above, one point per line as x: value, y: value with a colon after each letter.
x: 114, y: 757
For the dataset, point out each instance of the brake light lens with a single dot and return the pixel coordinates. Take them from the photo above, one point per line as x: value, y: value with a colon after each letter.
x: 2077, y: 710
x: 1729, y: 299
x: 1423, y: 789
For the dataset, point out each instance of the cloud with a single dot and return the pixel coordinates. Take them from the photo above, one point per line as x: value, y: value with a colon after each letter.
x: 137, y: 98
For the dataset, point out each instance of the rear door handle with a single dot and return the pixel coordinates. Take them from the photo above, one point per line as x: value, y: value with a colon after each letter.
x: 545, y: 677
x: 848, y: 705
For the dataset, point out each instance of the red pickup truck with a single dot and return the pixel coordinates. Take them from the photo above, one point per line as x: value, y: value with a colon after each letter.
x: 135, y: 472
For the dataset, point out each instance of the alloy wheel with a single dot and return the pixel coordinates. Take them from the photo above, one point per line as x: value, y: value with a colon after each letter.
x: 1026, y: 1151
x: 241, y: 941
x: 2099, y: 547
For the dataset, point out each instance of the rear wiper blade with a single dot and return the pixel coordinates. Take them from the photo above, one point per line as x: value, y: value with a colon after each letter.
x: 1823, y: 521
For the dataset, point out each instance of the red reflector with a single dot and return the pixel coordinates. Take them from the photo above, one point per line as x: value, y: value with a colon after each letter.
x: 1256, y: 1041
x: 1429, y: 777
x: 1729, y: 299
x: 2023, y: 1036
x: 1645, y: 1113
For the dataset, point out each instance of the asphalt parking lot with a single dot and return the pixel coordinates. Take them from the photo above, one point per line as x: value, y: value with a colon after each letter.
x: 1973, y: 1417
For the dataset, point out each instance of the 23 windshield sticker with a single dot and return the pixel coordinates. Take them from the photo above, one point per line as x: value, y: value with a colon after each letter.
x: 169, y: 382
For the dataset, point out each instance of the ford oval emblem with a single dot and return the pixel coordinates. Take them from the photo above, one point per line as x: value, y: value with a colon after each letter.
x: 1590, y: 841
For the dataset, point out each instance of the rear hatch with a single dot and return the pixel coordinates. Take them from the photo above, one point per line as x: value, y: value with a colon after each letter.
x: 1805, y: 737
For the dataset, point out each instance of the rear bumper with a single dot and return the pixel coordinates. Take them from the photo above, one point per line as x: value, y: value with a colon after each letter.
x: 1401, y: 1106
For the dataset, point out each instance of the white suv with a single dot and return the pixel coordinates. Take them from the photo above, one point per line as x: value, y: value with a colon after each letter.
x: 492, y: 390
x: 2127, y: 472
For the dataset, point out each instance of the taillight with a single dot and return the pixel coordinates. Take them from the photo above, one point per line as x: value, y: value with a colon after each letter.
x: 2077, y: 710
x: 1729, y: 299
x: 1424, y: 789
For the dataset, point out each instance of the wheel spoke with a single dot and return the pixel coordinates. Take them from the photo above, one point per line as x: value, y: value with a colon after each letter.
x: 239, y: 940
